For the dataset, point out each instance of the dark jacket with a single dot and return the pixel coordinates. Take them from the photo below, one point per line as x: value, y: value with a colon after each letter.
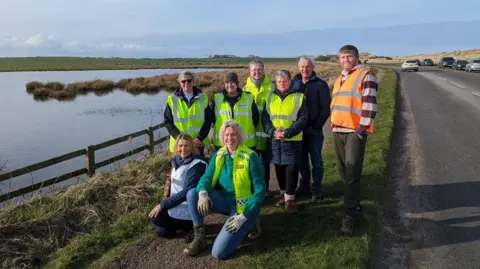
x: 192, y: 178
x: 232, y: 101
x: 317, y: 94
x: 168, y: 116
x: 285, y: 152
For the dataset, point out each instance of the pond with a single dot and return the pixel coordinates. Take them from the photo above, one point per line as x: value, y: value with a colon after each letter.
x: 33, y: 131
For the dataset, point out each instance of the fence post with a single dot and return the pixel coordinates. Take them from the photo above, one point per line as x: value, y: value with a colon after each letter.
x: 150, y: 140
x: 90, y: 160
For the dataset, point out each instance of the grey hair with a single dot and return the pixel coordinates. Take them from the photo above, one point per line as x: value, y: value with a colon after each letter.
x: 256, y: 62
x: 283, y: 73
x: 308, y: 59
x: 186, y: 73
x: 236, y: 128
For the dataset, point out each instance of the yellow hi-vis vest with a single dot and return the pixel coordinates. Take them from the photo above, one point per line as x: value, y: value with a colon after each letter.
x: 284, y: 113
x: 242, y: 184
x: 260, y: 99
x: 242, y: 114
x: 188, y: 119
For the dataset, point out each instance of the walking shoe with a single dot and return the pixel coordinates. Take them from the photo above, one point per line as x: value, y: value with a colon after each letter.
x: 291, y: 206
x: 348, y: 225
x: 302, y: 190
x: 281, y: 202
x: 198, y: 243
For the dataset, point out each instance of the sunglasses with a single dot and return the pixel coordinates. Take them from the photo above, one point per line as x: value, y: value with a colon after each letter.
x: 185, y: 81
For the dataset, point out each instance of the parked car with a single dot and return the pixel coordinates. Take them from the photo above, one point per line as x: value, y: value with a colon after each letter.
x: 428, y: 62
x: 409, y: 65
x: 446, y: 62
x: 473, y: 65
x: 418, y: 61
x: 459, y: 64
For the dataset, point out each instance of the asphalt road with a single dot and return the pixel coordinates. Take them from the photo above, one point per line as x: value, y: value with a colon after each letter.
x: 443, y: 206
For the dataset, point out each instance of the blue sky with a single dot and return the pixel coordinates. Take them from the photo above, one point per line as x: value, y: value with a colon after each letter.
x: 165, y: 28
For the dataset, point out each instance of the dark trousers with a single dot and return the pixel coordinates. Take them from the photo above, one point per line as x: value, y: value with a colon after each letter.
x: 266, y: 168
x: 287, y: 177
x: 171, y: 225
x: 350, y: 151
x: 312, y: 147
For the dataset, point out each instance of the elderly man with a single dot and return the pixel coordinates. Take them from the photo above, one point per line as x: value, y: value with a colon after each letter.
x: 354, y: 107
x: 317, y: 95
x: 259, y: 85
x: 187, y: 110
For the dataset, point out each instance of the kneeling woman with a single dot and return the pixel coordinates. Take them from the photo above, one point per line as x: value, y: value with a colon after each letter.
x: 172, y: 213
x: 233, y: 185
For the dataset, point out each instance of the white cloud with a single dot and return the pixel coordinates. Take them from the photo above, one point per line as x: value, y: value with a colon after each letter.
x: 134, y: 47
x: 34, y: 41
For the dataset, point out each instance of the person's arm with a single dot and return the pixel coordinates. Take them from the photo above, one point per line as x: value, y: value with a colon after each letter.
x: 212, y: 109
x: 325, y: 100
x: 193, y: 176
x: 257, y: 177
x: 300, y: 123
x: 206, y: 180
x: 168, y: 119
x: 267, y: 122
x: 369, y: 106
x: 255, y: 116
x: 209, y: 116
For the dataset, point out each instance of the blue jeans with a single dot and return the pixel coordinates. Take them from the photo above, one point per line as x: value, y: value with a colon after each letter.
x: 312, y: 145
x: 226, y: 243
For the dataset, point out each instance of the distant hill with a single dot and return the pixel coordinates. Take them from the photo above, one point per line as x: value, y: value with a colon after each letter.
x: 457, y: 54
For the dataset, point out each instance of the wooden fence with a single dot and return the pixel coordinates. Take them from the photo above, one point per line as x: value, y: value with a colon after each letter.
x: 90, y: 163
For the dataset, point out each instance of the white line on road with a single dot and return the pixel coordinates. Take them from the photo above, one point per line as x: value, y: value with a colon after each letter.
x: 456, y: 84
x: 476, y: 93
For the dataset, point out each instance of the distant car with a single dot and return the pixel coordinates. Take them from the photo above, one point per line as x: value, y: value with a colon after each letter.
x: 459, y: 64
x: 446, y: 62
x: 473, y: 65
x: 410, y: 65
x: 428, y: 62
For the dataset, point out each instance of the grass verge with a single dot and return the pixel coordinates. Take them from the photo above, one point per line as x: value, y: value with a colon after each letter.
x: 311, y: 239
x: 33, y: 231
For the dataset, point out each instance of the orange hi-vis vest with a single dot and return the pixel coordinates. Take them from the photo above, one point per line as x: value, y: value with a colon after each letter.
x: 346, y: 105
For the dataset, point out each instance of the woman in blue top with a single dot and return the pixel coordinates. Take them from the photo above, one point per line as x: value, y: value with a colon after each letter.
x: 172, y: 213
x: 233, y: 185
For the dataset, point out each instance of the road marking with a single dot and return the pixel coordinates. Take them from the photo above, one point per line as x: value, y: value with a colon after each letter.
x: 476, y: 93
x: 458, y: 85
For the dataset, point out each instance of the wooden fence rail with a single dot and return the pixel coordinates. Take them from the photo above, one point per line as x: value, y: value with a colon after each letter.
x: 90, y: 164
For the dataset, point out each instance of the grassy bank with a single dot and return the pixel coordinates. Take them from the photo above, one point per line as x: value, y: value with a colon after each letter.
x: 311, y: 239
x: 32, y: 232
x: 90, y: 63
x: 208, y: 81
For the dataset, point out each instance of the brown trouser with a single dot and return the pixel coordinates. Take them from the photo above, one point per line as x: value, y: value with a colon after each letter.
x: 350, y: 151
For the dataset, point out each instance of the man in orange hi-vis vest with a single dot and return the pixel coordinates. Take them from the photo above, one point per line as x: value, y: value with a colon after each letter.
x: 353, y: 111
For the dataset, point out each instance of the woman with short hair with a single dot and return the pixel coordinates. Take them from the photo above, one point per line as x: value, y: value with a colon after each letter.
x: 284, y: 118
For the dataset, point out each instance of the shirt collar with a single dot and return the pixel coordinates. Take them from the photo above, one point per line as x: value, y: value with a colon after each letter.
x: 346, y: 73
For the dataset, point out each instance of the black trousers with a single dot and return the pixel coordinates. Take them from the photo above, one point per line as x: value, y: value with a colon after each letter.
x: 171, y: 225
x: 266, y: 168
x: 287, y: 177
x: 350, y: 151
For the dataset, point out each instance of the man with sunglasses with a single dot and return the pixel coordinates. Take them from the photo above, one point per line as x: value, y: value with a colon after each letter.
x: 187, y: 110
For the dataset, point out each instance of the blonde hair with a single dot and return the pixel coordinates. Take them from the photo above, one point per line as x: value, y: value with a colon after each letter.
x: 189, y: 138
x: 236, y: 128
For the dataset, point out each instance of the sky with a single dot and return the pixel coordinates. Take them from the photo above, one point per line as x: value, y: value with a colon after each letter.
x: 168, y: 28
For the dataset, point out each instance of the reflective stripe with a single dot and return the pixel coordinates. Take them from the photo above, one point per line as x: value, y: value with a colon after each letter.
x: 193, y: 130
x: 260, y: 108
x: 347, y: 109
x: 349, y: 93
x: 261, y: 134
x: 281, y: 117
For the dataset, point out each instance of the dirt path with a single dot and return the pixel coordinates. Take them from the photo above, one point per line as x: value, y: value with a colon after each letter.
x: 167, y: 253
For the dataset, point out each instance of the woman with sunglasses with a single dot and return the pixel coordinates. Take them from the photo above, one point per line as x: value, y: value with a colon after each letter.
x: 187, y: 110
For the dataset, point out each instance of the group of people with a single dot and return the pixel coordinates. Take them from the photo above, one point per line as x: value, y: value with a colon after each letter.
x: 260, y: 124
